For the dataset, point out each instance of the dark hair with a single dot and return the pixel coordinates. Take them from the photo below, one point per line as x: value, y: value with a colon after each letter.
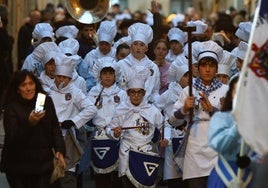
x: 122, y: 46
x: 228, y: 100
x: 19, y: 77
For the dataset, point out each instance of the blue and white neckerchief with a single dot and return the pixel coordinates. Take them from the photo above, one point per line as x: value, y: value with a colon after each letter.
x: 215, y: 84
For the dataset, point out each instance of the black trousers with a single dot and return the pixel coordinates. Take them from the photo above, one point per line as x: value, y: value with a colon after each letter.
x: 29, y: 181
x: 200, y: 182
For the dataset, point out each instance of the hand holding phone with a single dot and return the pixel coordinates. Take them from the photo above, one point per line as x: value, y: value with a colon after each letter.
x: 40, y: 102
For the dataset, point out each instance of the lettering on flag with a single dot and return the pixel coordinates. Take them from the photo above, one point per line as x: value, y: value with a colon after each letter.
x: 101, y: 151
x: 150, y: 167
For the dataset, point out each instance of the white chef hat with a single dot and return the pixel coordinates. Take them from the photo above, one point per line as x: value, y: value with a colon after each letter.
x: 51, y: 55
x: 178, y: 68
x: 137, y: 77
x: 140, y: 32
x: 69, y: 46
x: 42, y: 30
x: 68, y: 31
x: 210, y: 49
x: 106, y: 62
x: 66, y: 67
x: 244, y: 30
x: 115, y: 2
x: 107, y: 31
x: 241, y: 50
x: 40, y: 51
x: 178, y: 18
x: 201, y: 27
x: 225, y: 64
x: 178, y: 35
x: 196, y: 45
x: 122, y: 40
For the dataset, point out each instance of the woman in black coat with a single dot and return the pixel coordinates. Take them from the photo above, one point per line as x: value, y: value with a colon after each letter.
x: 27, y: 157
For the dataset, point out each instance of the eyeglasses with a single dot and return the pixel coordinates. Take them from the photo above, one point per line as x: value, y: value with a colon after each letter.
x: 139, y: 93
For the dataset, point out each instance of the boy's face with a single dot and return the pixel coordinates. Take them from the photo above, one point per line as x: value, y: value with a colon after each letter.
x: 138, y: 49
x: 184, y: 80
x: 104, y: 47
x: 239, y: 63
x: 123, y: 52
x: 50, y: 68
x: 176, y: 47
x: 136, y: 95
x: 207, y: 70
x: 62, y: 81
x: 107, y: 78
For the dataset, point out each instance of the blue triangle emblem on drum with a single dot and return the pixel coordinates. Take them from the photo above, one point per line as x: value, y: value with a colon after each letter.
x: 101, y: 151
x: 150, y: 167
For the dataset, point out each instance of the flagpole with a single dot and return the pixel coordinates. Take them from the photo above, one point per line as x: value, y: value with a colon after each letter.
x: 241, y: 171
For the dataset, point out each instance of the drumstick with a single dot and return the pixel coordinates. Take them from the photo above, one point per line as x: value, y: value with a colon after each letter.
x: 133, y: 127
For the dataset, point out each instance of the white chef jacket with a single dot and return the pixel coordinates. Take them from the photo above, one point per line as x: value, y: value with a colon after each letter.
x: 138, y: 139
x: 199, y: 157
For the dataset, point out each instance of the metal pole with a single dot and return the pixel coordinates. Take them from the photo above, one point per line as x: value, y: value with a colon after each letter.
x: 189, y: 30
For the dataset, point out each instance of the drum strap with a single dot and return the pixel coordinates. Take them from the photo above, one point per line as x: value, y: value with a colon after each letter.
x: 227, y: 175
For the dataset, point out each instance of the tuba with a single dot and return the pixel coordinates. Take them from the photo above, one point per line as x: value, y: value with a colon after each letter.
x: 88, y: 11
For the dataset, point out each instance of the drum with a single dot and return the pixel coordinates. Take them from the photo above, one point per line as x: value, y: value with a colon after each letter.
x: 143, y: 168
x: 104, y: 155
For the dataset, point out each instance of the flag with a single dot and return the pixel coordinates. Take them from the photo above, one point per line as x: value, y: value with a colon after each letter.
x: 251, y: 102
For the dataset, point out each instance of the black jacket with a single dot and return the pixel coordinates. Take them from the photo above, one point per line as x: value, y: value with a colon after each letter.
x: 28, y: 148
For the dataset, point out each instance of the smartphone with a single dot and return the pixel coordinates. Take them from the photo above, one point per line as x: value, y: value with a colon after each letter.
x: 40, y: 102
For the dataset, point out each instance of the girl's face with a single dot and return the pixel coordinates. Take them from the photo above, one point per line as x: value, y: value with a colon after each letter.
x: 104, y: 47
x: 27, y: 89
x: 224, y: 78
x: 138, y: 49
x: 160, y: 50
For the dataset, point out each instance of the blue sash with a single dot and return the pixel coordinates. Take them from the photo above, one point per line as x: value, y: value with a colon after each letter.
x: 227, y: 172
x: 143, y: 168
x: 105, y: 155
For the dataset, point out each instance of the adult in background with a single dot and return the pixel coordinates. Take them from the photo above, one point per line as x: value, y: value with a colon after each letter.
x: 6, y: 46
x: 25, y: 36
x: 27, y: 157
x: 161, y: 48
x: 87, y: 38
